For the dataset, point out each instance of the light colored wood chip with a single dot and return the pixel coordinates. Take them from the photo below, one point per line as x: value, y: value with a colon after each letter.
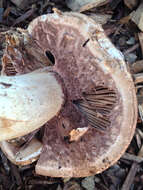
x: 140, y: 154
x: 100, y: 18
x: 140, y: 35
x: 84, y: 5
x: 137, y: 17
x: 137, y: 67
x: 138, y: 78
x: 75, y: 134
x: 131, y: 4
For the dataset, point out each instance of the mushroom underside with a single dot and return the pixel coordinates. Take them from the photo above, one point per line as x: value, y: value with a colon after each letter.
x: 95, y: 81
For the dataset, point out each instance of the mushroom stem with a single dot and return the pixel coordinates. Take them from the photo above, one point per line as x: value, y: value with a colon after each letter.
x: 28, y: 101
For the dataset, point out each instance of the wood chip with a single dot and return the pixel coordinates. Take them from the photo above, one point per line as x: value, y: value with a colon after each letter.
x: 137, y: 16
x: 5, y: 163
x: 130, y: 177
x: 138, y: 78
x: 114, y: 4
x: 24, y: 16
x: 100, y: 18
x: 1, y: 14
x: 137, y: 67
x: 125, y: 19
x: 1, y: 3
x: 140, y: 35
x: 42, y: 182
x: 140, y: 154
x: 20, y: 3
x: 133, y: 170
x: 6, y: 12
x: 131, y: 49
x: 138, y: 140
x: 84, y: 5
x: 131, y: 4
x: 16, y: 174
x: 110, y: 29
x: 132, y: 157
x: 140, y: 107
x: 71, y: 185
x: 140, y: 133
x: 76, y: 134
x: 59, y: 187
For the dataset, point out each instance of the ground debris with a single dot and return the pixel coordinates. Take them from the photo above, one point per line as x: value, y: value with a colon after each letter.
x: 137, y: 67
x: 100, y: 18
x: 88, y: 183
x: 138, y: 78
x: 140, y: 35
x: 131, y: 4
x: 130, y: 177
x: 80, y: 5
x: 20, y: 3
x: 130, y: 57
x: 132, y: 157
x: 72, y: 185
x: 24, y: 16
x: 137, y: 17
x: 16, y: 174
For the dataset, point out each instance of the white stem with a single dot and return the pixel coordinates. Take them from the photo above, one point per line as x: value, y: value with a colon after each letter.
x: 27, y: 102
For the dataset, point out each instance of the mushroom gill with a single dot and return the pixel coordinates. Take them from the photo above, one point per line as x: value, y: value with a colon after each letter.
x: 97, y: 107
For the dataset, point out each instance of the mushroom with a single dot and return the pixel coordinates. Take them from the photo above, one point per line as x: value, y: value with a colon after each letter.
x: 86, y: 101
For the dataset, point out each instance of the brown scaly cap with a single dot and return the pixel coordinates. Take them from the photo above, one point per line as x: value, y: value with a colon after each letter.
x: 101, y: 95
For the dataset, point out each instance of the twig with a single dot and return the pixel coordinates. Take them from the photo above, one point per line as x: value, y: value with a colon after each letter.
x: 43, y: 182
x: 130, y: 177
x: 133, y: 48
x: 16, y: 174
x: 24, y: 16
x: 132, y: 157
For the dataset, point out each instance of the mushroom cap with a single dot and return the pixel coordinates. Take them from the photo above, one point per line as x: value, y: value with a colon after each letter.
x: 100, y: 95
x: 85, y: 59
x: 22, y: 156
